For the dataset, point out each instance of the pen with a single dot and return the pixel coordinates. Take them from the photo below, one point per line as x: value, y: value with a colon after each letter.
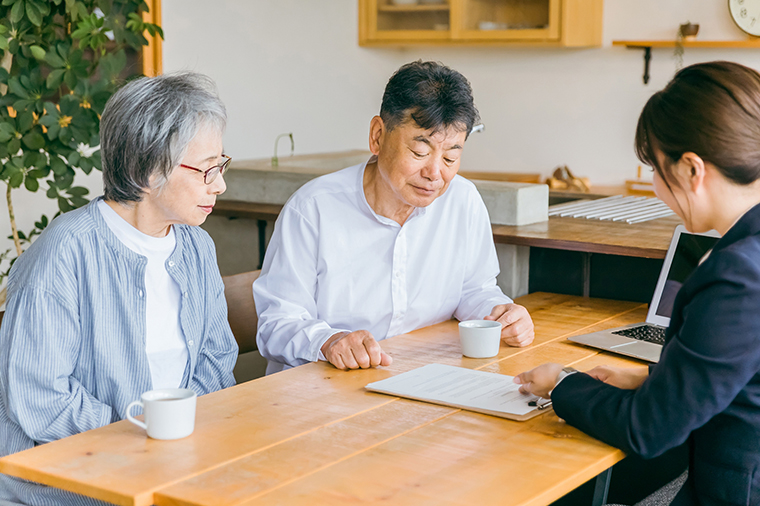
x: 543, y: 405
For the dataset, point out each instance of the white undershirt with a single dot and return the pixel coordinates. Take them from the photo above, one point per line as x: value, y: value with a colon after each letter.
x: 164, y: 341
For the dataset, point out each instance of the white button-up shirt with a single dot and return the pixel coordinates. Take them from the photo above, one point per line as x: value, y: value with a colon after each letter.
x: 334, y: 265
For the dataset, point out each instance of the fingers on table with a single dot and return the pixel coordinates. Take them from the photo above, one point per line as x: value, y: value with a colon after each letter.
x: 517, y: 326
x: 358, y: 350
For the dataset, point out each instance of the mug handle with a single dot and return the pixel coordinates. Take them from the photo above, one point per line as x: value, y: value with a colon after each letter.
x: 135, y: 420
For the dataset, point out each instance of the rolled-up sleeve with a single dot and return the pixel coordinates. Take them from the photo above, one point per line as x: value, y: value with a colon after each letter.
x: 39, y: 350
x: 480, y: 293
x: 289, y: 330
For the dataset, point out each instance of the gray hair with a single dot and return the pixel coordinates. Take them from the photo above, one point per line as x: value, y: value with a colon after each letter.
x: 147, y: 126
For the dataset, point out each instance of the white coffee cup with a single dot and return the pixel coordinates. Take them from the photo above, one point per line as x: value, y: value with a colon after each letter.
x: 169, y: 413
x: 480, y: 338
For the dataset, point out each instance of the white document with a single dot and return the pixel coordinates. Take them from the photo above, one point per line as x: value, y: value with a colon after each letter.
x: 479, y: 391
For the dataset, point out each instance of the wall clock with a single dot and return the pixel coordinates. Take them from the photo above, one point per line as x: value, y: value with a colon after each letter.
x: 746, y: 15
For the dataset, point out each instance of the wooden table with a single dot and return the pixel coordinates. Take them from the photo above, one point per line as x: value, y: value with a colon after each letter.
x: 312, y: 435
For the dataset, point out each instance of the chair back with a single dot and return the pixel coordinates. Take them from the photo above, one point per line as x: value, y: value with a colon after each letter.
x: 241, y: 311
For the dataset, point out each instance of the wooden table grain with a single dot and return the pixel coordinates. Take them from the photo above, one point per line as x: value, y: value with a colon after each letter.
x: 313, y: 435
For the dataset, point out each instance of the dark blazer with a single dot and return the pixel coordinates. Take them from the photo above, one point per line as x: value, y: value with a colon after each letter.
x: 706, y: 387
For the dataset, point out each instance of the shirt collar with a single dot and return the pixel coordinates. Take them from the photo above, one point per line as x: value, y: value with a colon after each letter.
x: 747, y: 225
x: 418, y: 211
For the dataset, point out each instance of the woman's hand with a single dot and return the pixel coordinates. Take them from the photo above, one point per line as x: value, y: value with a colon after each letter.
x: 627, y: 378
x: 539, y: 381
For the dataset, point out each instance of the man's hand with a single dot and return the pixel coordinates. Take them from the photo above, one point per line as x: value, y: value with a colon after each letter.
x: 627, y: 378
x: 354, y: 350
x: 516, y: 324
x: 539, y: 381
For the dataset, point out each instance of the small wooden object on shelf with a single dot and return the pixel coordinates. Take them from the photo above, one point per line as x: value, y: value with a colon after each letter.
x: 639, y: 186
x: 563, y: 179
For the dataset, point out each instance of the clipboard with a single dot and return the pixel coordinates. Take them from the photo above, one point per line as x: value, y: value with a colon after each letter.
x: 457, y: 387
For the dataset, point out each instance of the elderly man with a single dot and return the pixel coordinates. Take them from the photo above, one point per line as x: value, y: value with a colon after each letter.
x: 389, y: 246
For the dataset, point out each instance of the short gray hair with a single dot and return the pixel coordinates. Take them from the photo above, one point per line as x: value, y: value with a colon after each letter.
x: 147, y: 126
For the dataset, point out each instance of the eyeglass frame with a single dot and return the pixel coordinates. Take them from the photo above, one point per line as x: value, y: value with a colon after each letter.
x: 222, y: 169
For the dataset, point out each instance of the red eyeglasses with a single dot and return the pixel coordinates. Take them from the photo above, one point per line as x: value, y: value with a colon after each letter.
x: 210, y: 174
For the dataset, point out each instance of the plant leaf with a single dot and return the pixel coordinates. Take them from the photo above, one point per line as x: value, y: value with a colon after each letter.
x: 15, y: 87
x: 78, y: 191
x: 37, y: 52
x: 54, y: 79
x: 33, y: 13
x: 31, y: 184
x: 16, y: 179
x: 13, y: 146
x: 58, y: 165
x: 54, y: 60
x: 17, y: 11
x: 64, y: 205
x: 34, y: 140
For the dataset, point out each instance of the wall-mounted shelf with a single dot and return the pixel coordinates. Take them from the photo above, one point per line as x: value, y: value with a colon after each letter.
x: 647, y: 46
x: 753, y: 43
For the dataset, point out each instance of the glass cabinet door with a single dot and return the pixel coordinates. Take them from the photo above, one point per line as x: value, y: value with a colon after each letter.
x: 506, y: 19
x: 409, y: 20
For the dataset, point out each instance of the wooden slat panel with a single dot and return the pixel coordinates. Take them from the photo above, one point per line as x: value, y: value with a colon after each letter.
x: 646, y: 240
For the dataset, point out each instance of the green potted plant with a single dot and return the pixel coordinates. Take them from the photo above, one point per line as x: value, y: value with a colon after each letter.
x: 60, y: 61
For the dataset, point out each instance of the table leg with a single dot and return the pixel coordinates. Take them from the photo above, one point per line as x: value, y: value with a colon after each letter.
x: 601, y: 488
x: 262, y: 241
x: 586, y: 274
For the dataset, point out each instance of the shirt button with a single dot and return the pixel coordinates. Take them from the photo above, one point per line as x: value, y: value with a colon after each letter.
x: 141, y: 293
x: 171, y: 263
x: 398, y: 274
x: 190, y: 342
x: 184, y: 294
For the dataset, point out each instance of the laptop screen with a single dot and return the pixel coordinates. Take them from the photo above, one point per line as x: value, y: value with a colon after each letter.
x: 689, y: 253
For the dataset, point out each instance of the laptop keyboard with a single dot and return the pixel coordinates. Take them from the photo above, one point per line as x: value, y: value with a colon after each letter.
x: 648, y: 333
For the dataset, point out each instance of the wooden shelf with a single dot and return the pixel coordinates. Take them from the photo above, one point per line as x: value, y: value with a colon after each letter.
x: 750, y: 43
x: 647, y: 45
x: 414, y: 8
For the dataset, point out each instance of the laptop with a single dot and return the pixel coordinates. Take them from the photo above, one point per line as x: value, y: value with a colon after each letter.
x: 644, y: 340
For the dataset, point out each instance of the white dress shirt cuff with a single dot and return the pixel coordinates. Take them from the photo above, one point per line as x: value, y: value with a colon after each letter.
x: 564, y: 373
x: 321, y: 339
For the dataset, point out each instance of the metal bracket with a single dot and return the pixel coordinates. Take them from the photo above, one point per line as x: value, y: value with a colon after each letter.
x: 647, y: 59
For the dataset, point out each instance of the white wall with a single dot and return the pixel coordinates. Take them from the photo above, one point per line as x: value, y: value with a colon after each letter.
x: 295, y: 65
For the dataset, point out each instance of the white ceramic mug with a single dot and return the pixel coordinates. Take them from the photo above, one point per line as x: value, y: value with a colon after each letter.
x: 169, y: 413
x: 480, y: 338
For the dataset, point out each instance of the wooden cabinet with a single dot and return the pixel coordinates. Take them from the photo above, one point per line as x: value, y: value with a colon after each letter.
x: 565, y: 23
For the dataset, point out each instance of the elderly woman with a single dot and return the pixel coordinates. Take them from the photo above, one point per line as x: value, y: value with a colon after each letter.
x: 124, y: 295
x: 387, y: 246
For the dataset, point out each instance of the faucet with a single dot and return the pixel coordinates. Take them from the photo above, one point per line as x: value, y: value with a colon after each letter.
x: 478, y: 128
x: 275, y: 160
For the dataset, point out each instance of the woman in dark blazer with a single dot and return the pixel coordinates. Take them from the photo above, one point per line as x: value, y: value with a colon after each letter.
x: 701, y: 134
